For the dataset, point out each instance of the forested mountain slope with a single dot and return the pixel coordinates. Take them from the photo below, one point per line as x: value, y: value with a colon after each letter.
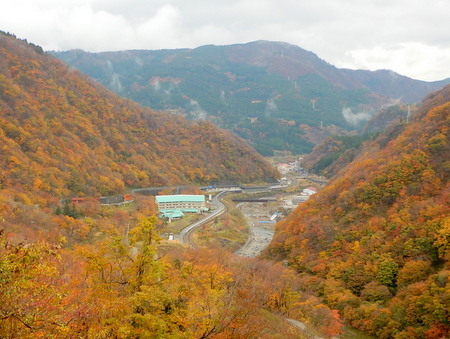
x: 99, y: 271
x: 375, y: 242
x: 267, y: 92
x: 64, y: 134
x: 335, y: 152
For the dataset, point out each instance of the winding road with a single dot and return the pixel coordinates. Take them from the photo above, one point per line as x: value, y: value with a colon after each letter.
x: 251, y: 249
x: 259, y: 238
x: 185, y: 234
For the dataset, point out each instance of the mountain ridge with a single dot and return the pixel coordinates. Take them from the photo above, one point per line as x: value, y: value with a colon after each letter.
x: 271, y: 53
x: 375, y: 241
x: 64, y: 133
x: 263, y: 91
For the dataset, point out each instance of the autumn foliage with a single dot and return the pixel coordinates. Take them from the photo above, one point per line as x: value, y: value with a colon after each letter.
x: 81, y: 270
x: 376, y: 239
x: 64, y: 134
x: 122, y: 288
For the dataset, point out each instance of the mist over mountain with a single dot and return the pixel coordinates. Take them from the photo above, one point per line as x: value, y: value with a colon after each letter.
x: 73, y: 268
x: 267, y: 92
x: 370, y: 250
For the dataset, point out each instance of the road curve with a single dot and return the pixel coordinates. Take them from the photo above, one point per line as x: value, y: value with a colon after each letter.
x: 185, y: 233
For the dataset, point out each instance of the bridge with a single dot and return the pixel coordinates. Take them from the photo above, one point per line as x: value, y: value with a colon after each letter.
x: 269, y: 199
x: 236, y: 189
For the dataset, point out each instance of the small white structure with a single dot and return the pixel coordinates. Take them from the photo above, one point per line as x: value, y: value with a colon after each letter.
x: 309, y: 191
x: 274, y: 216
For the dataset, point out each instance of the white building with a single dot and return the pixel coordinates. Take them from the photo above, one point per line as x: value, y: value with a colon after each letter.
x: 181, y: 203
x: 309, y: 191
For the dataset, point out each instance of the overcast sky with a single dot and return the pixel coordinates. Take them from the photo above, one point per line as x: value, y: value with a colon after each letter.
x: 411, y: 37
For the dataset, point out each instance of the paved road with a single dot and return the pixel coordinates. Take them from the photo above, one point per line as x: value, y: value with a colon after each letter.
x: 184, y: 236
x: 259, y: 238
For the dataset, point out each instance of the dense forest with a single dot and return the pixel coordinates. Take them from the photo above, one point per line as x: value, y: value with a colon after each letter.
x: 89, y: 271
x: 64, y: 134
x: 336, y: 151
x: 370, y: 250
x: 375, y: 243
x: 107, y: 290
x: 267, y: 92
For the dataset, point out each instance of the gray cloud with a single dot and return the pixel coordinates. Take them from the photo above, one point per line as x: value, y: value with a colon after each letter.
x: 410, y: 38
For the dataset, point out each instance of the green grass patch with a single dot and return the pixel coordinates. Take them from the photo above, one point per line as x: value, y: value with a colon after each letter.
x: 177, y: 225
x: 230, y: 230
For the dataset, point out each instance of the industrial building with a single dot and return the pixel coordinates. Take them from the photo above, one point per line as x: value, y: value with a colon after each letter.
x: 168, y: 205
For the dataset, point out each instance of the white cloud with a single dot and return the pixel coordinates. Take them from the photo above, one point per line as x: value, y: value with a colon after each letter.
x: 412, y: 58
x: 197, y: 111
x: 407, y: 36
x: 82, y: 22
x: 68, y: 27
x: 161, y: 30
x: 355, y: 119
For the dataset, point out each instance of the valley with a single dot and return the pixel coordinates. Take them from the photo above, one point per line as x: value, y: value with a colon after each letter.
x: 260, y: 217
x: 355, y: 233
x: 75, y: 264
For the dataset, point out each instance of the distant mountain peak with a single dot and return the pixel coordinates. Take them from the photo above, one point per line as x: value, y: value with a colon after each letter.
x: 270, y: 80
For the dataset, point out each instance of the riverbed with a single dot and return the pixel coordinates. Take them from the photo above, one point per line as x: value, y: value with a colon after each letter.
x: 260, y: 234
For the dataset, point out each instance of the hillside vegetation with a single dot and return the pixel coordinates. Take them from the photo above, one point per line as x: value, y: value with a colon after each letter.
x: 117, y: 289
x: 91, y: 271
x: 64, y: 134
x: 375, y: 243
x: 267, y: 92
x: 335, y: 152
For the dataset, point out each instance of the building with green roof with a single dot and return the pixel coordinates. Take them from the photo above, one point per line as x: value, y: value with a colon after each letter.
x: 175, y: 214
x: 181, y: 203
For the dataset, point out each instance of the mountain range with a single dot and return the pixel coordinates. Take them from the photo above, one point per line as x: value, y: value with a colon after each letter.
x: 269, y: 93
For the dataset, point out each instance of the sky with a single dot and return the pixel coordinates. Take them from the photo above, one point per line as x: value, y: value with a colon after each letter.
x: 410, y: 37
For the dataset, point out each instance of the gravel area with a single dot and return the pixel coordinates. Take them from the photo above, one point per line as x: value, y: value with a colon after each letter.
x: 260, y: 233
